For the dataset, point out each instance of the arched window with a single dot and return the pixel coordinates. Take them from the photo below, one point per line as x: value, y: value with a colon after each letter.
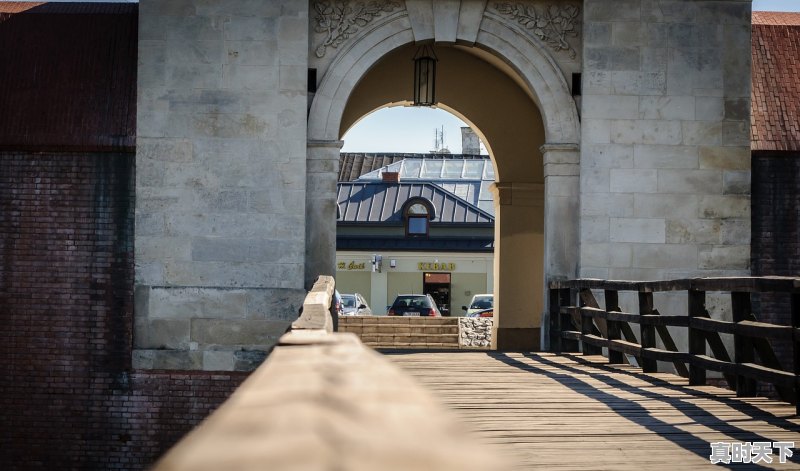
x: 417, y: 215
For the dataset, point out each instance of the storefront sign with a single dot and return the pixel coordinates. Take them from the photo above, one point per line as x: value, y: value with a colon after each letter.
x: 436, y: 266
x: 351, y: 266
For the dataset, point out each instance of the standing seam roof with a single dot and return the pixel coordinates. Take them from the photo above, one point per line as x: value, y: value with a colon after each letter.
x: 377, y: 202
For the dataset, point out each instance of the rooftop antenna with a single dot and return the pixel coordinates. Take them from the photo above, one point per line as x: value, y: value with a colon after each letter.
x: 438, y: 142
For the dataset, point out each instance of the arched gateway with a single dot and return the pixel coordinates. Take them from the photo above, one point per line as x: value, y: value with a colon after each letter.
x: 540, y: 205
x: 236, y: 150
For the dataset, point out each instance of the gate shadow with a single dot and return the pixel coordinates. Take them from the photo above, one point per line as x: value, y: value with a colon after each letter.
x: 640, y: 415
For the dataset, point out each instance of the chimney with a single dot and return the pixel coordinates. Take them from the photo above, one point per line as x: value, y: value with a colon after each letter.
x: 390, y: 177
x: 470, y: 143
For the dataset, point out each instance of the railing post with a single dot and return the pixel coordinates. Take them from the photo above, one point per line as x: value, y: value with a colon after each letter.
x: 555, y: 315
x: 587, y: 322
x: 566, y: 298
x: 612, y: 304
x: 796, y: 346
x: 743, y: 345
x: 697, y: 338
x: 647, y: 332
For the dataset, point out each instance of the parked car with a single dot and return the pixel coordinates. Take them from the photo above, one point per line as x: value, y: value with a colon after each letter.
x: 480, y: 302
x: 484, y: 313
x: 414, y: 305
x: 337, y: 302
x: 355, y: 305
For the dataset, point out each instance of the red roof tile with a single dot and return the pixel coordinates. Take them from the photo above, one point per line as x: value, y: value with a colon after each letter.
x: 777, y: 18
x: 776, y: 82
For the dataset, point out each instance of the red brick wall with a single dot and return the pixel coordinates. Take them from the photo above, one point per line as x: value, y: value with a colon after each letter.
x: 776, y: 233
x: 68, y: 399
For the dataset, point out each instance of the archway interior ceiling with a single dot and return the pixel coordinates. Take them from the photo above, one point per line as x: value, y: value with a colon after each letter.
x: 491, y: 100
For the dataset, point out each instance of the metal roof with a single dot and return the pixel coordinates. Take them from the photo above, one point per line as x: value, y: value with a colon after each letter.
x: 382, y: 203
x: 434, y: 244
x: 353, y: 165
x: 467, y: 178
x: 68, y: 75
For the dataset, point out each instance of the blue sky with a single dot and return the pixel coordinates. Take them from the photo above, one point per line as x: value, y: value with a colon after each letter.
x: 776, y: 5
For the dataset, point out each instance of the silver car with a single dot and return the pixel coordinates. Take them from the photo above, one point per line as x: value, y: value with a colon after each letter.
x: 355, y: 305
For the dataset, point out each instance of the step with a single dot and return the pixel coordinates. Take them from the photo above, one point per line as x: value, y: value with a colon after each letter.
x: 375, y: 320
x: 410, y: 338
x: 399, y: 329
x: 399, y: 345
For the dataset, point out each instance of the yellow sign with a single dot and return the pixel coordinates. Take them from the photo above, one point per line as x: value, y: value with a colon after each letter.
x: 436, y: 266
x: 351, y: 266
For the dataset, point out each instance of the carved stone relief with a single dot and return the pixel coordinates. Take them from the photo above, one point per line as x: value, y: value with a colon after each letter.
x: 339, y: 20
x: 552, y: 24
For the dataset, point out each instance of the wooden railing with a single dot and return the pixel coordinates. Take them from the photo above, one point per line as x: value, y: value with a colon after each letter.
x: 323, y: 400
x: 585, y: 326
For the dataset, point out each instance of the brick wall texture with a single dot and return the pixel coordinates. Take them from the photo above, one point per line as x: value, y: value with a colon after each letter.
x: 69, y: 397
x: 776, y: 233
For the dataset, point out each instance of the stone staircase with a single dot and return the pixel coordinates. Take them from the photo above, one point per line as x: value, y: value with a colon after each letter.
x: 403, y: 332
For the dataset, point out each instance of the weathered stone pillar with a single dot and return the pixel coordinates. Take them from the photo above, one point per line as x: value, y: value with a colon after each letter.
x: 519, y: 247
x: 321, y: 177
x: 561, y: 216
x: 561, y: 211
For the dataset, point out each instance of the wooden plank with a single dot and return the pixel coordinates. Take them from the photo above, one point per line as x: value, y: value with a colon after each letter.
x: 647, y: 332
x: 661, y: 321
x: 795, y: 306
x: 558, y: 412
x: 554, y: 308
x: 589, y: 301
x: 666, y: 355
x: 716, y: 326
x: 717, y: 348
x: 697, y: 339
x: 743, y: 346
x: 669, y: 344
x: 614, y: 333
x: 566, y: 299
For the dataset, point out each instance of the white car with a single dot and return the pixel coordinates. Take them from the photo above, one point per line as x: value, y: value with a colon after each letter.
x: 355, y: 305
x: 479, y: 302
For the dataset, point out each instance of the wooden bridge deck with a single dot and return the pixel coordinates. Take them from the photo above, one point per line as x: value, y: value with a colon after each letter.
x: 547, y: 411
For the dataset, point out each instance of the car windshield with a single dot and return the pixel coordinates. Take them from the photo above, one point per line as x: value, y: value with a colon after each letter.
x: 412, y: 302
x: 348, y: 300
x: 482, y: 302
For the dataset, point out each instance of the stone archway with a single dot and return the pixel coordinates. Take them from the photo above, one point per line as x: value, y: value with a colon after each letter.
x: 474, y: 26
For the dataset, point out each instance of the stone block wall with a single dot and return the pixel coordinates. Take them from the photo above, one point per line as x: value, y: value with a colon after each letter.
x: 475, y: 332
x: 665, y: 162
x: 221, y: 180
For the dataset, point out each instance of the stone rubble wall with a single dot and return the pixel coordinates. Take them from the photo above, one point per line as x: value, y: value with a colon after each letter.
x: 475, y: 332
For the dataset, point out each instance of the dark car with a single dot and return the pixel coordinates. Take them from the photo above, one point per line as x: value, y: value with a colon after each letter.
x: 414, y: 305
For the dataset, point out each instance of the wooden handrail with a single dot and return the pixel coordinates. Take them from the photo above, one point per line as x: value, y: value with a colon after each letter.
x: 323, y: 400
x: 578, y: 323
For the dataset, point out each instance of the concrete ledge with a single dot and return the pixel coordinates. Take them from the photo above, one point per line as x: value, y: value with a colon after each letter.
x: 325, y: 401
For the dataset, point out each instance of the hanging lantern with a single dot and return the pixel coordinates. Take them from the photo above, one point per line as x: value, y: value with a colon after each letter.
x: 425, y: 77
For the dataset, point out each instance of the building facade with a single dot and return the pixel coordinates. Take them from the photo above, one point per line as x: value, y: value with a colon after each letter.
x: 423, y: 224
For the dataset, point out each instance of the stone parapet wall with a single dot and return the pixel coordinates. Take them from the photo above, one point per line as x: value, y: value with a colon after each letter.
x: 221, y: 180
x: 665, y: 159
x: 475, y: 332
